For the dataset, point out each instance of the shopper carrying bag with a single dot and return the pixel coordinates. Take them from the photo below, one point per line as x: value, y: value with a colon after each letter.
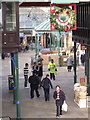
x: 65, y: 106
x: 59, y: 97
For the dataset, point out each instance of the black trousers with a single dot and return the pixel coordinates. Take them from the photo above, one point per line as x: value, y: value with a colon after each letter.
x: 46, y: 93
x: 69, y: 68
x: 26, y: 80
x: 34, y: 87
x: 58, y: 110
x: 52, y: 76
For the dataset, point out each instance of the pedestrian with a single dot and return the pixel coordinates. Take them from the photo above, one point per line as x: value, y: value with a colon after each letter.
x: 83, y: 59
x: 59, y: 97
x: 26, y: 71
x: 52, y: 68
x: 35, y: 68
x: 69, y: 63
x: 40, y: 59
x: 34, y: 82
x: 40, y: 72
x: 46, y: 83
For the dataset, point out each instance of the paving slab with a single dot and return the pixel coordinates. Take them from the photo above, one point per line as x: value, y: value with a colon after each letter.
x: 37, y: 107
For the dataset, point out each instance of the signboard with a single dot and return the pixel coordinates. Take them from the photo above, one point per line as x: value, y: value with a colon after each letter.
x: 63, y: 17
x: 83, y: 81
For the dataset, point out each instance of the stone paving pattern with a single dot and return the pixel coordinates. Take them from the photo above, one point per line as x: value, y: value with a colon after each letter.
x: 37, y: 107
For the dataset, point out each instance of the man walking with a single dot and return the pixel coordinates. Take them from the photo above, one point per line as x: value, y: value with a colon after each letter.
x: 34, y: 82
x: 46, y: 83
x: 52, y: 68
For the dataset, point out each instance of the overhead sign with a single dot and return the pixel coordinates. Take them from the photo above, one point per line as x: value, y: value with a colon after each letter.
x: 63, y: 17
x: 64, y: 1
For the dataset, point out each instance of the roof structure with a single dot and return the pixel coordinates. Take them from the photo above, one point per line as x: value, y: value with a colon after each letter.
x: 44, y: 26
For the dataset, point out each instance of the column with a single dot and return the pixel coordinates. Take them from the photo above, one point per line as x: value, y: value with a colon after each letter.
x: 75, y: 75
x: 13, y: 73
x: 17, y: 87
x: 58, y: 40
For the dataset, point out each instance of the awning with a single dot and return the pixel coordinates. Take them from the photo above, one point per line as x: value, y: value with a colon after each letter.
x: 64, y: 1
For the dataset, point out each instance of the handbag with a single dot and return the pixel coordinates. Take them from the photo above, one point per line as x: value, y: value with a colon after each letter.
x: 65, y: 106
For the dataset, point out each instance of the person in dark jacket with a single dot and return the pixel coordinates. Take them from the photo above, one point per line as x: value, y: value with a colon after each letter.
x: 40, y: 72
x: 59, y: 97
x: 34, y: 82
x: 35, y: 68
x: 46, y: 83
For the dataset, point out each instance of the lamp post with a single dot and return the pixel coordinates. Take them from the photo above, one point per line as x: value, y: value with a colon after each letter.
x: 75, y: 75
x: 58, y: 39
x: 17, y: 86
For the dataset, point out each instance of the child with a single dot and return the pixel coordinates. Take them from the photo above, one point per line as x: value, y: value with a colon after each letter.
x: 26, y: 71
x: 59, y: 97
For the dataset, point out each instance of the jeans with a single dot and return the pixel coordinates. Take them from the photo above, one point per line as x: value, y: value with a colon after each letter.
x: 26, y: 80
x: 34, y: 87
x: 46, y: 94
x: 59, y: 110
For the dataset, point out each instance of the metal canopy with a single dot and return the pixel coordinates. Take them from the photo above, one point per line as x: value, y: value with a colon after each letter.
x: 39, y: 4
x: 44, y: 26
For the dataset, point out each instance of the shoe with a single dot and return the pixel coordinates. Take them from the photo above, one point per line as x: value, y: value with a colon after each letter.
x: 57, y: 117
x: 26, y: 87
x: 38, y: 96
x: 32, y: 97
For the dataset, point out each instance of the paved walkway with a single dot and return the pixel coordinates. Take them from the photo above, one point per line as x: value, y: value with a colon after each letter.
x: 38, y: 108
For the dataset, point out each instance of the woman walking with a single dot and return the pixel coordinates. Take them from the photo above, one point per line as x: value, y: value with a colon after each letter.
x: 59, y: 97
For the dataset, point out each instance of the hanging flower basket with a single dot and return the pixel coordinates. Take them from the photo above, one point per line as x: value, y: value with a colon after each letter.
x: 62, y: 17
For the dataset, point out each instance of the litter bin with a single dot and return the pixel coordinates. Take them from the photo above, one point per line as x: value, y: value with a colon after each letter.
x: 11, y: 83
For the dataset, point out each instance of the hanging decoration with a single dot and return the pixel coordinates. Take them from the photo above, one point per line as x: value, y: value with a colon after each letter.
x: 63, y: 17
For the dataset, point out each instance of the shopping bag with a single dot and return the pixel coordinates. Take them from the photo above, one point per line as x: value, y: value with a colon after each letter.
x: 65, y: 106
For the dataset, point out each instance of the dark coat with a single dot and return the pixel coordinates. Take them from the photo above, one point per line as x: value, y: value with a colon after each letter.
x: 40, y: 71
x: 61, y: 96
x: 46, y: 83
x: 34, y: 80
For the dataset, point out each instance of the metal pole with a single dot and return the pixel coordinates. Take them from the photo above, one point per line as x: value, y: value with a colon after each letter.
x: 75, y: 76
x: 50, y: 40
x: 38, y: 45
x: 17, y: 87
x: 58, y: 38
x: 13, y: 73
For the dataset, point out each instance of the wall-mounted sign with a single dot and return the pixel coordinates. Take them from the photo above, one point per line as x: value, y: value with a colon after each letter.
x: 63, y: 17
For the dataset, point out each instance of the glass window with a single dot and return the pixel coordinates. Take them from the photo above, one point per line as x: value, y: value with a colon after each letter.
x: 10, y: 16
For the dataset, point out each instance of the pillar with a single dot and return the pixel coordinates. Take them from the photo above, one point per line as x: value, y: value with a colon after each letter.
x: 13, y: 73
x: 75, y: 75
x: 17, y: 87
x: 58, y: 38
x: 87, y: 70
